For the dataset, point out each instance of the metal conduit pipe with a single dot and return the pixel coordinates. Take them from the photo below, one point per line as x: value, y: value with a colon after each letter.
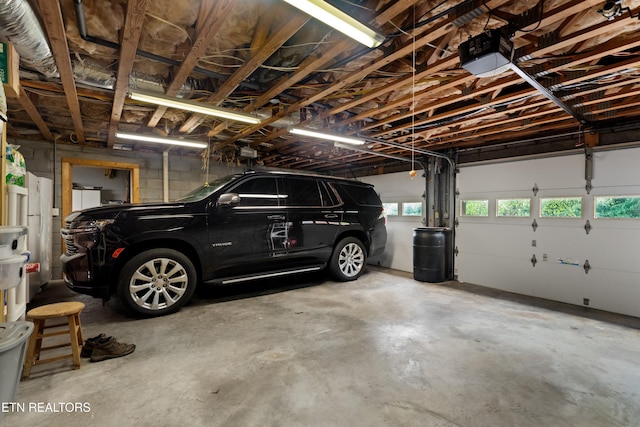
x: 165, y: 176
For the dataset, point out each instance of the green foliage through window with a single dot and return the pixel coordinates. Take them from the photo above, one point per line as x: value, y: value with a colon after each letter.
x: 561, y: 207
x: 391, y: 209
x: 412, y: 209
x: 475, y: 208
x: 513, y: 207
x: 618, y: 207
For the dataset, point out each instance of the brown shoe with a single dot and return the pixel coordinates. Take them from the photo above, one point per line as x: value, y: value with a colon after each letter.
x: 109, y: 348
x: 89, y: 344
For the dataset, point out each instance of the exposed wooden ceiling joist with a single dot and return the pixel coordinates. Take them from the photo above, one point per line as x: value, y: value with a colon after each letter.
x: 52, y: 17
x: 130, y: 38
x: 274, y: 61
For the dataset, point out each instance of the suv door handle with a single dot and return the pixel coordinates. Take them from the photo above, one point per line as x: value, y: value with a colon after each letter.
x: 331, y: 216
x: 276, y: 217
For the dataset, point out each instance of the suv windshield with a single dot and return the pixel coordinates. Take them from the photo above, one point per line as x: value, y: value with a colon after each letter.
x: 206, y: 190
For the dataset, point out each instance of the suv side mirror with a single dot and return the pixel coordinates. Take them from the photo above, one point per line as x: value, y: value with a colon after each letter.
x: 228, y: 200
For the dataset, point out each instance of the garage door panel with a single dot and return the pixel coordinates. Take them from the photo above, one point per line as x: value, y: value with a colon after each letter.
x: 605, y: 286
x: 496, y: 252
x: 484, y: 267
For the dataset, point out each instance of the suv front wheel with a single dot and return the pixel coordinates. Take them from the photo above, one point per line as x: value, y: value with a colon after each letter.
x: 157, y: 282
x: 348, y: 259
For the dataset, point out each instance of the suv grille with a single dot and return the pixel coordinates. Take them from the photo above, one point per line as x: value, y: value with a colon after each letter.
x: 70, y: 246
x: 71, y: 236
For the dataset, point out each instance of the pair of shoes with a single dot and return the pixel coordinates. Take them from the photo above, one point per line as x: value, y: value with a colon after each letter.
x: 89, y: 344
x: 109, y: 348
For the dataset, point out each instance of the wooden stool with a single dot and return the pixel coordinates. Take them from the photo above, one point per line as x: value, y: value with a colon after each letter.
x: 70, y: 310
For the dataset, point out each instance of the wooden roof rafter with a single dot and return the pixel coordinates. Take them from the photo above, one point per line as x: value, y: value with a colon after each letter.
x: 130, y: 37
x: 52, y: 17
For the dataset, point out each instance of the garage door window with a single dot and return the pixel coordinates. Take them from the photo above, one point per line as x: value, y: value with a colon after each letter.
x: 617, y: 207
x: 391, y: 209
x: 561, y: 207
x: 412, y: 209
x: 474, y: 208
x: 513, y: 207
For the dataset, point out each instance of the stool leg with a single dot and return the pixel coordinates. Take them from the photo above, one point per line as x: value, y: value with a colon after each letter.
x: 39, y: 338
x: 35, y: 340
x: 80, y: 339
x: 74, y: 325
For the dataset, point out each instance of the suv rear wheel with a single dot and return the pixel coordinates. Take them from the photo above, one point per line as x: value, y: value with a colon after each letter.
x: 348, y: 259
x: 157, y: 282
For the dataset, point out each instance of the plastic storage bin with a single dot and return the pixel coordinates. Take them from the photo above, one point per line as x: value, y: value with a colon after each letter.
x: 12, y: 270
x: 13, y: 346
x: 12, y: 240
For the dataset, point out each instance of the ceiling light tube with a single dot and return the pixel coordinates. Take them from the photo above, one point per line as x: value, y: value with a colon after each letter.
x: 158, y: 140
x: 338, y: 20
x: 195, y: 107
x: 327, y: 136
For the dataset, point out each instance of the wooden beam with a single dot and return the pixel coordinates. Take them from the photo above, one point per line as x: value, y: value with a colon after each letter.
x: 551, y: 17
x: 214, y: 19
x: 394, y: 9
x: 33, y: 113
x: 604, y: 50
x: 52, y: 18
x: 290, y: 25
x: 591, y: 139
x: 136, y: 10
x: 558, y: 14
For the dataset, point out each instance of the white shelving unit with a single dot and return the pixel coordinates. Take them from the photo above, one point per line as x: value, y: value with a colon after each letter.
x: 17, y: 210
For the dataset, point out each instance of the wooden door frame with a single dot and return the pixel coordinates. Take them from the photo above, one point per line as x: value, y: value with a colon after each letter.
x: 67, y: 178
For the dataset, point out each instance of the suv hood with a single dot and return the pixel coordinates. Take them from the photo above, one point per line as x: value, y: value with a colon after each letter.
x: 112, y: 211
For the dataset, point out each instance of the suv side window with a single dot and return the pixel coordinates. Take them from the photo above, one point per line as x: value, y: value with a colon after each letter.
x: 328, y: 195
x: 258, y: 192
x: 302, y: 192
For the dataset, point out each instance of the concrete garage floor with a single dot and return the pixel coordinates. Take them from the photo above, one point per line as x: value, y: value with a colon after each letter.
x: 384, y: 350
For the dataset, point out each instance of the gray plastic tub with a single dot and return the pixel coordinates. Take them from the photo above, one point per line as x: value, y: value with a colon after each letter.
x: 13, y: 345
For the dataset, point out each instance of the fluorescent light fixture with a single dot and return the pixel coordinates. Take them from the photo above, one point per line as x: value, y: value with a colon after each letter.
x: 339, y: 20
x: 158, y: 140
x: 327, y: 136
x: 195, y: 107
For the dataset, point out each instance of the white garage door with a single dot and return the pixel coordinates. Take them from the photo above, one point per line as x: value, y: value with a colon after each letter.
x: 497, y: 242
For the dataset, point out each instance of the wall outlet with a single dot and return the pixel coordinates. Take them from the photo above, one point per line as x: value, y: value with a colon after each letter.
x: 533, y: 243
x: 55, y: 211
x: 544, y: 257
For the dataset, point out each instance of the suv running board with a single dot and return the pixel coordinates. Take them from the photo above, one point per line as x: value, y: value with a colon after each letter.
x: 237, y: 279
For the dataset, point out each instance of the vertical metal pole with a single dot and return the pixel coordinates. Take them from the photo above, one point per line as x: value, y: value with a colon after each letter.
x: 165, y: 176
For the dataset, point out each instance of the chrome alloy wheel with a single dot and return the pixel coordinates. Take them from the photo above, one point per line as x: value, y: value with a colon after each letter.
x: 158, y: 284
x: 351, y: 259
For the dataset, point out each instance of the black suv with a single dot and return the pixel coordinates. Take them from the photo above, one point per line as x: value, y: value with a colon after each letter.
x: 241, y: 227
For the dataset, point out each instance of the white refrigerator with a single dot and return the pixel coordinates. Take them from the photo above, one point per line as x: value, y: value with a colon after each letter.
x: 39, y: 224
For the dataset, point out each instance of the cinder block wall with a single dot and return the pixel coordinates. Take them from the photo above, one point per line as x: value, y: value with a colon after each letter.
x: 185, y: 174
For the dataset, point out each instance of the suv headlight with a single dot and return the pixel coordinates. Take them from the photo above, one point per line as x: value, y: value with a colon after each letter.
x: 85, y: 233
x: 102, y: 223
